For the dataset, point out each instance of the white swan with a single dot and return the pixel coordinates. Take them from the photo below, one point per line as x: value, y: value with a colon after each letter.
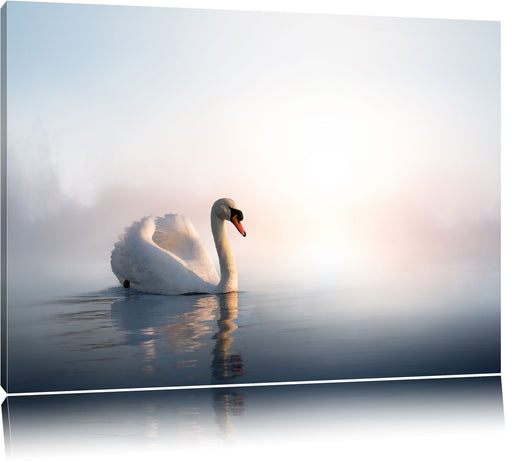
x: 164, y: 255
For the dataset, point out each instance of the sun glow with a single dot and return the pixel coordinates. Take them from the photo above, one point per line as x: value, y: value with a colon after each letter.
x: 365, y: 142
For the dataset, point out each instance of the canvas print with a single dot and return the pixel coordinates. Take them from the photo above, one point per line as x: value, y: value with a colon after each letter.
x: 197, y: 197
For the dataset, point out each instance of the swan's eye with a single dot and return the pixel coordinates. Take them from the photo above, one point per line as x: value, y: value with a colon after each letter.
x: 235, y: 213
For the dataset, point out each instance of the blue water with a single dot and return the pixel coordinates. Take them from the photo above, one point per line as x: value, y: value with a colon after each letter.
x: 120, y: 338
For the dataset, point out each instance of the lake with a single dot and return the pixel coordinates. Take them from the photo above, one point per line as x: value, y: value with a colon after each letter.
x: 120, y: 338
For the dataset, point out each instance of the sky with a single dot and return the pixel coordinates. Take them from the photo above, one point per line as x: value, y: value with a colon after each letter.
x: 355, y: 146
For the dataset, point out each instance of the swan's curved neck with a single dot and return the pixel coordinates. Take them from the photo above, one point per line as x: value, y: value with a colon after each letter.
x: 228, y: 277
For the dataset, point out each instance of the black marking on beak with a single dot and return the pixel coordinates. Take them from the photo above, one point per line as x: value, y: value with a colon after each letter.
x: 236, y: 217
x: 235, y: 213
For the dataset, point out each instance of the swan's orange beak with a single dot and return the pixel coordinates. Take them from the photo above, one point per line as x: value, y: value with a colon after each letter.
x: 238, y: 225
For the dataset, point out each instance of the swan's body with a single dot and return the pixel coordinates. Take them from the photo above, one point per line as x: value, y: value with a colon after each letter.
x: 164, y: 255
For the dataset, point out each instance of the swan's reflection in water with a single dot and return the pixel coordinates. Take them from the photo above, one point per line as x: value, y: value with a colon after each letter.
x: 463, y: 411
x: 226, y: 365
x: 174, y: 333
x: 179, y: 322
x: 174, y: 326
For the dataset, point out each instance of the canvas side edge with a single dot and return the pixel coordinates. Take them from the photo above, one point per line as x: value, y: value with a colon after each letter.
x: 3, y: 196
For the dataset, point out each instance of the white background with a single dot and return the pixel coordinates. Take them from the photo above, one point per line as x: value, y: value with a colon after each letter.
x: 494, y: 10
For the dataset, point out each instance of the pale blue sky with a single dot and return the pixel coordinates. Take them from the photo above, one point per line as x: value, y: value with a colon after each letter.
x: 362, y: 123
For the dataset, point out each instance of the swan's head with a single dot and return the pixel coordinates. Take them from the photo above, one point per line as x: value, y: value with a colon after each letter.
x: 226, y: 209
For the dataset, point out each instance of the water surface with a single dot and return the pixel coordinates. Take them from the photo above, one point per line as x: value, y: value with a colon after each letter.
x: 118, y: 338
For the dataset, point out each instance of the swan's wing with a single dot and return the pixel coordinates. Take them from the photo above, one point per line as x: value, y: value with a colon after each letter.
x: 176, y: 234
x: 177, y: 263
